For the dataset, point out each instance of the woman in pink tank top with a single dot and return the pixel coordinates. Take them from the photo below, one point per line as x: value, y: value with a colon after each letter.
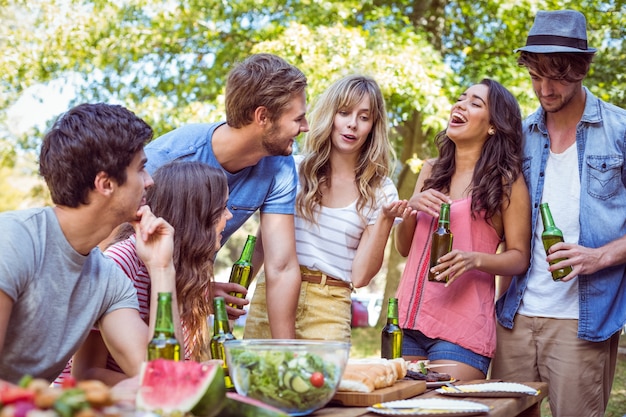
x: 478, y: 172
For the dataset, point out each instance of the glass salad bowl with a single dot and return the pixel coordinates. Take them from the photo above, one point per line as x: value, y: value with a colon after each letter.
x: 295, y: 376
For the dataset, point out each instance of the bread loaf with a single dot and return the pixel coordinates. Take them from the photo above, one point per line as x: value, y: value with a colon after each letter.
x: 355, y: 381
x: 401, y: 367
x: 398, y: 365
x: 365, y: 375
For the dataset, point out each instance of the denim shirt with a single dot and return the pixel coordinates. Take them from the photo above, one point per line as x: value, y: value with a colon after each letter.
x: 269, y: 186
x: 601, y: 145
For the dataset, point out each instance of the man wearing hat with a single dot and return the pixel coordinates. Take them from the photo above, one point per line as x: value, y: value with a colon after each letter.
x: 566, y: 332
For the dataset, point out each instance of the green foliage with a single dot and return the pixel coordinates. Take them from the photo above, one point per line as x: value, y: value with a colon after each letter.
x: 410, y: 82
x: 11, y: 197
x: 19, y: 189
x: 168, y: 60
x: 365, y: 342
x: 7, y: 154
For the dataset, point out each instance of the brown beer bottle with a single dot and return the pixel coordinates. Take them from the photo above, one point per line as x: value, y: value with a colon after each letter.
x: 221, y: 334
x: 242, y: 270
x: 164, y: 344
x: 391, y: 336
x: 441, y: 240
x: 551, y: 235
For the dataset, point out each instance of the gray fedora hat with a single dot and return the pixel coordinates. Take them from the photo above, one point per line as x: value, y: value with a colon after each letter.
x: 558, y: 31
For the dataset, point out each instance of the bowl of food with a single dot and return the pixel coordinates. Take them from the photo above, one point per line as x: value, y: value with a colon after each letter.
x: 295, y: 376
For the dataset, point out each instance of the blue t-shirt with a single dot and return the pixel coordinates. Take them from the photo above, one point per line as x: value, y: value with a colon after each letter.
x: 269, y: 186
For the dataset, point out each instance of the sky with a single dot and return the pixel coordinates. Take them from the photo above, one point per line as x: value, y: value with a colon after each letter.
x: 38, y: 104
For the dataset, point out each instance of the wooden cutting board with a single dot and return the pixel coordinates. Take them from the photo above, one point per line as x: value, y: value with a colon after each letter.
x: 403, y: 389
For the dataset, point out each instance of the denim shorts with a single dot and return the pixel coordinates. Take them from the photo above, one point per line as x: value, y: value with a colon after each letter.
x: 415, y: 343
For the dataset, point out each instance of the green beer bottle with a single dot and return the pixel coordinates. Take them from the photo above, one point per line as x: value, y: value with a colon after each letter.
x: 164, y: 344
x: 221, y: 334
x: 241, y: 273
x: 391, y: 336
x: 551, y: 235
x: 441, y: 241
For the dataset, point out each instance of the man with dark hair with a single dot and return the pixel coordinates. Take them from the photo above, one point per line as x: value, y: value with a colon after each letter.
x: 566, y: 332
x: 55, y: 285
x: 265, y: 111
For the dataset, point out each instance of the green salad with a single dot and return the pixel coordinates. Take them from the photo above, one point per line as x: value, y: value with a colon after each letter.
x: 287, y: 380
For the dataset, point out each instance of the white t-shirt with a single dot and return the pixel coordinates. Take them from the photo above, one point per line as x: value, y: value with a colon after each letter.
x: 543, y: 296
x: 330, y: 245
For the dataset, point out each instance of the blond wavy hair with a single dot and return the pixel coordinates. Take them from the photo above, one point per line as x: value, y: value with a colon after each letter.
x: 377, y: 155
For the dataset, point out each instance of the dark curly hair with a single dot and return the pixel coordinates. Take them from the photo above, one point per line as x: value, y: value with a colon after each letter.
x: 499, y: 163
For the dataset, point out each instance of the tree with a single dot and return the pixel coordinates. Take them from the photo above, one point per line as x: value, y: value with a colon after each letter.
x: 167, y: 60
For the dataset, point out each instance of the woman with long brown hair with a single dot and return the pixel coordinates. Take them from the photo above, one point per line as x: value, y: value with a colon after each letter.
x: 192, y: 197
x: 478, y: 172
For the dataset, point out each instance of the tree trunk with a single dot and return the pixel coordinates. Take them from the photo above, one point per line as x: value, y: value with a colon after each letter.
x: 413, y: 146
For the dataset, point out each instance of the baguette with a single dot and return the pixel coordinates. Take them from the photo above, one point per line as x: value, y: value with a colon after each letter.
x: 355, y: 381
x: 382, y: 375
x: 366, y: 375
x: 401, y: 367
x: 398, y: 365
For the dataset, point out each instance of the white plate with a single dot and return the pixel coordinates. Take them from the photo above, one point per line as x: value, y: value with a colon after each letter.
x: 490, y: 389
x: 429, y: 407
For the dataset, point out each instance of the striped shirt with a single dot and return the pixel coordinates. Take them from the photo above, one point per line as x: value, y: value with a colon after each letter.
x: 330, y: 245
x: 124, y: 253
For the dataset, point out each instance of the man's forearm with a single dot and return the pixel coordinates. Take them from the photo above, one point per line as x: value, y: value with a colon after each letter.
x: 613, y: 253
x: 282, y: 293
x: 164, y: 280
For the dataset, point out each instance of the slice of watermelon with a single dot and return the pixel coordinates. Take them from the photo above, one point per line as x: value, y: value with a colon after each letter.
x: 240, y: 406
x: 170, y: 388
x: 13, y: 394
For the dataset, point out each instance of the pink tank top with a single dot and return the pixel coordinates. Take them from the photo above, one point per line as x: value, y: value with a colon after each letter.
x: 462, y: 313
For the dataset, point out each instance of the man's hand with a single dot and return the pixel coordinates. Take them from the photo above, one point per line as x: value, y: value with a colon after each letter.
x: 6, y: 305
x: 582, y: 260
x: 125, y: 392
x: 222, y: 289
x: 155, y: 239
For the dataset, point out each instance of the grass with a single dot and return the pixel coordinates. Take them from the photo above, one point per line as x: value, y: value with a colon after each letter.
x: 366, y: 343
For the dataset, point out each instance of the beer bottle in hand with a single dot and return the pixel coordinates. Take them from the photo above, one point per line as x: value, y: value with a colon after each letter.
x: 241, y: 273
x: 441, y: 241
x: 221, y: 334
x: 551, y: 235
x: 164, y: 344
x: 391, y: 337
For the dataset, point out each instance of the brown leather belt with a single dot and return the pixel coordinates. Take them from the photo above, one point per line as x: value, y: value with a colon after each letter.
x: 318, y: 277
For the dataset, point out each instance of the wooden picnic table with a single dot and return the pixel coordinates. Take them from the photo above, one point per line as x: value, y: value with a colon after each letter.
x: 526, y: 406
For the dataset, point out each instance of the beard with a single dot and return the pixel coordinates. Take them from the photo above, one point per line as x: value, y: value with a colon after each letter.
x: 274, y: 145
x: 560, y: 105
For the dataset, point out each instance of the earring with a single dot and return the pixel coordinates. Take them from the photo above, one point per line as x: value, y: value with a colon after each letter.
x: 491, y: 131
